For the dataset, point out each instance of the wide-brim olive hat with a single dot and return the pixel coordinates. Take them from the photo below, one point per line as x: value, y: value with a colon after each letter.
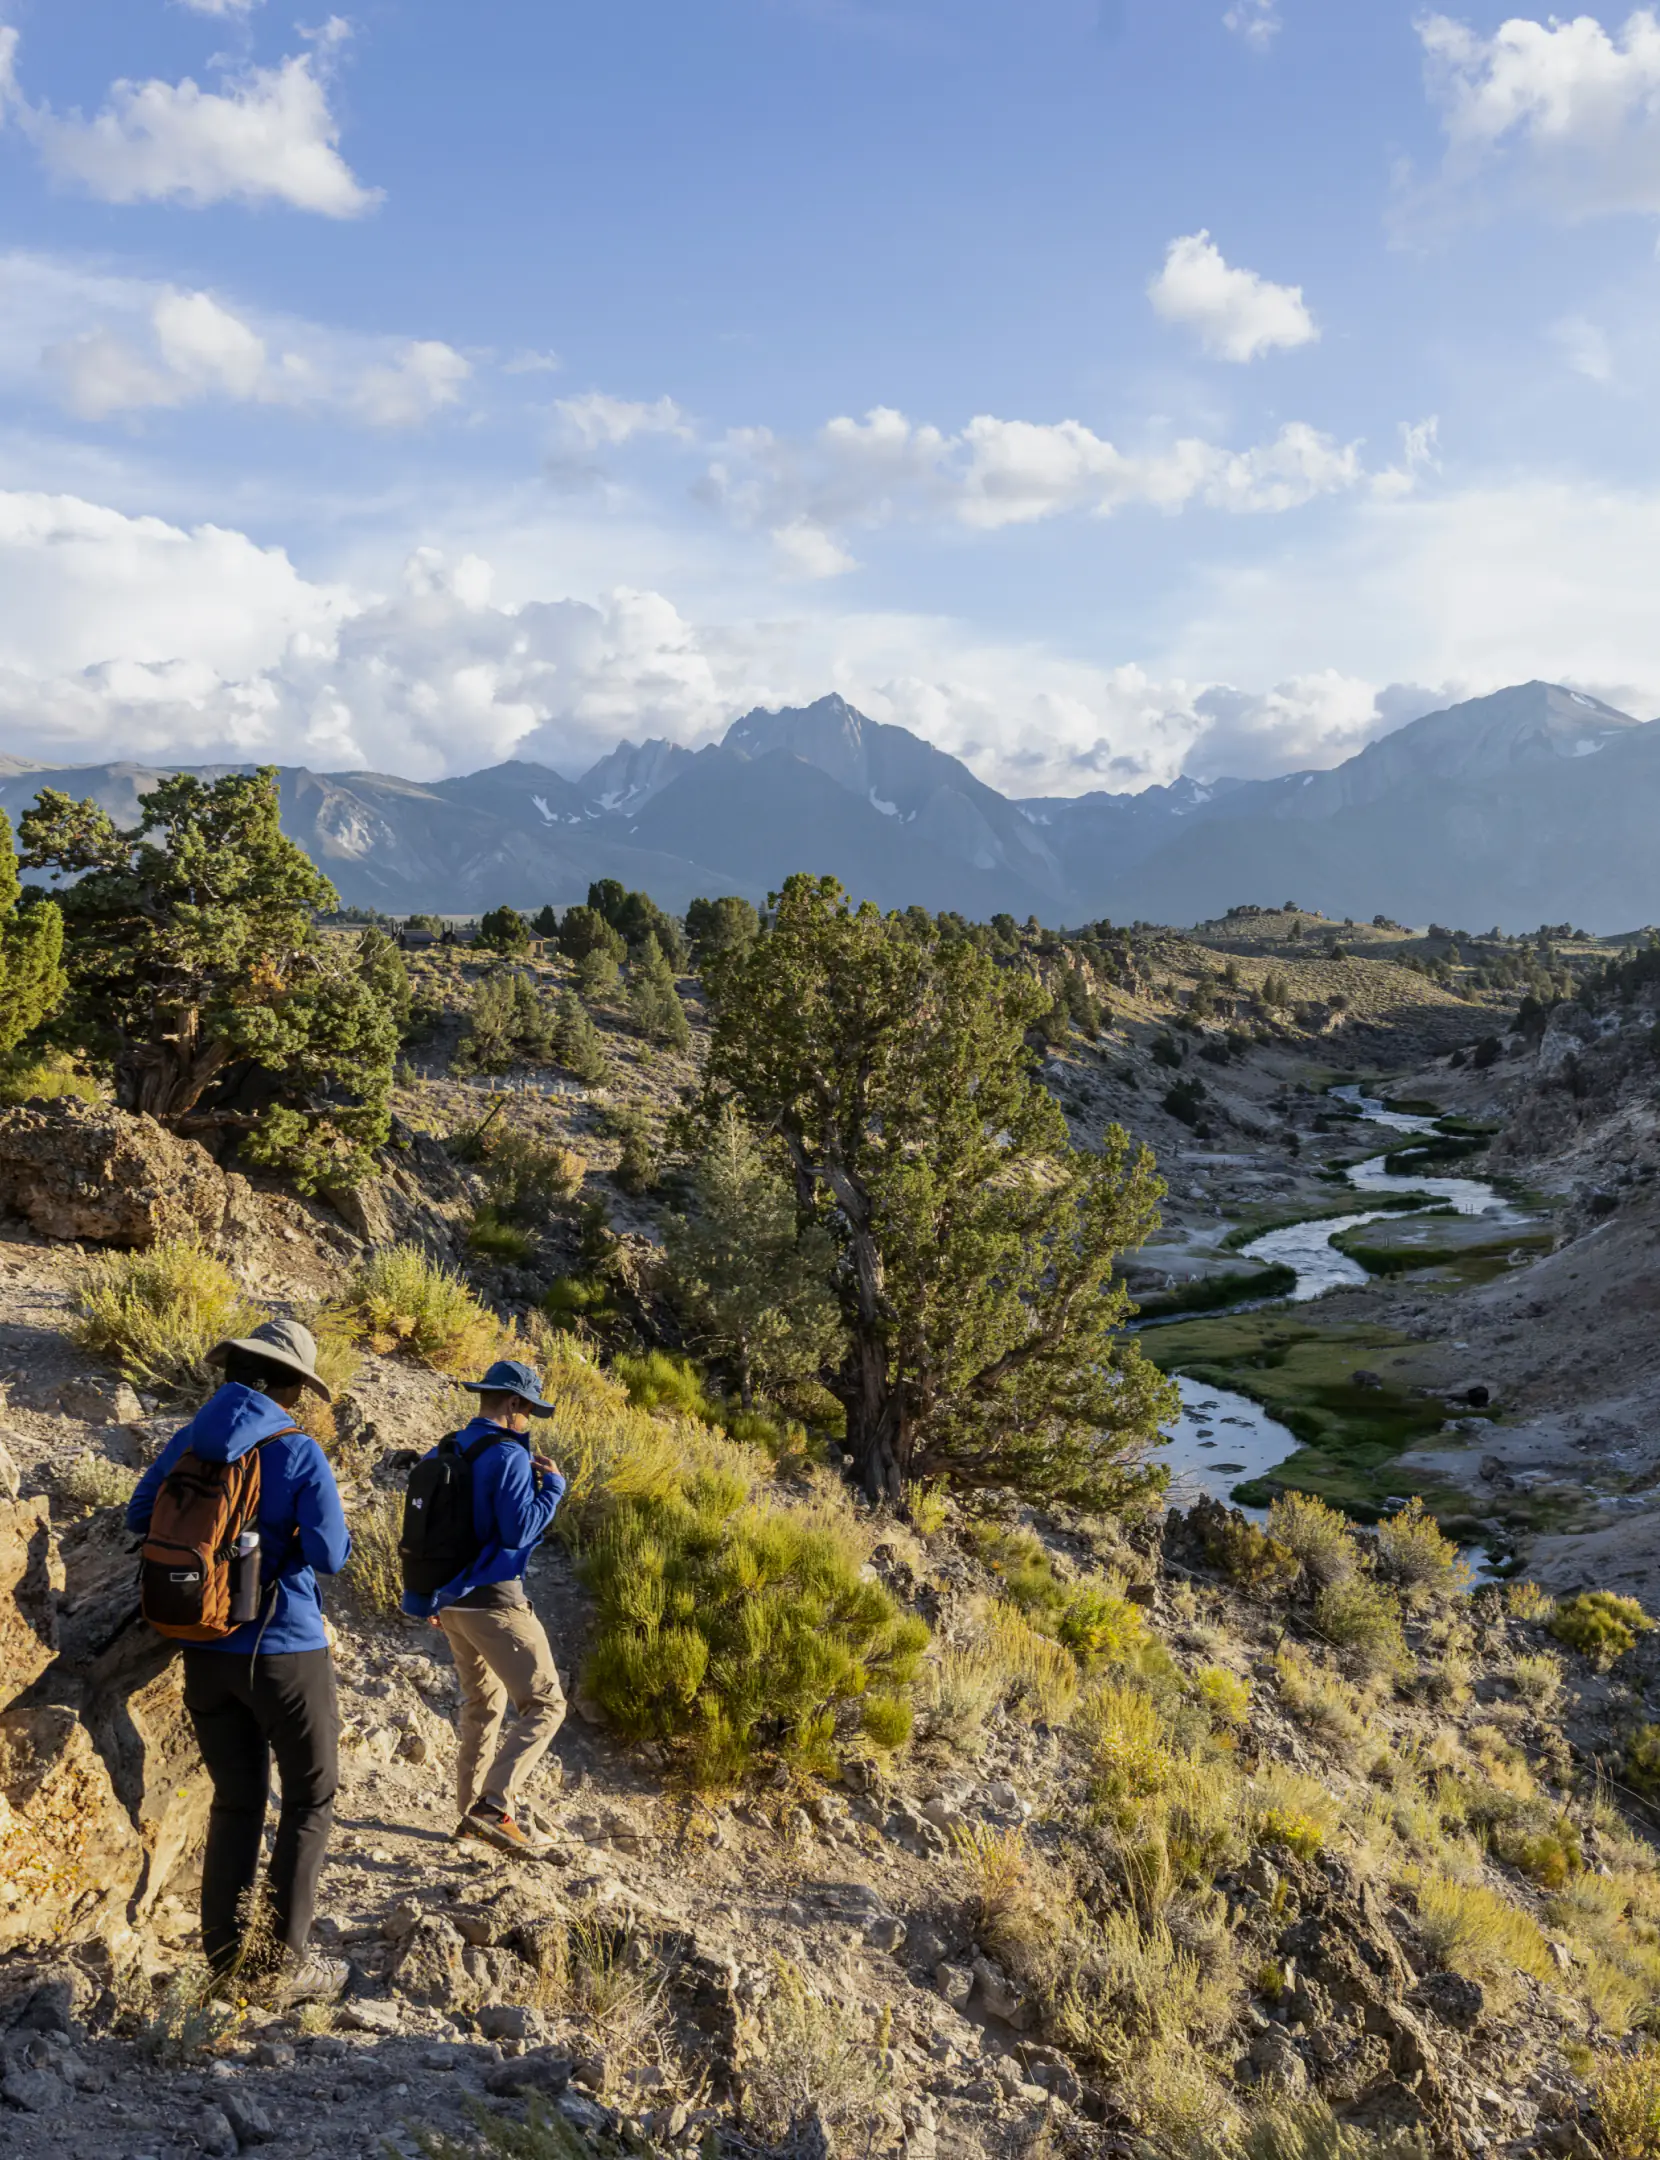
x: 509, y: 1377
x: 283, y: 1343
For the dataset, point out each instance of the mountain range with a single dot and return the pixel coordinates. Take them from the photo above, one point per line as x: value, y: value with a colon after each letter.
x: 1537, y: 804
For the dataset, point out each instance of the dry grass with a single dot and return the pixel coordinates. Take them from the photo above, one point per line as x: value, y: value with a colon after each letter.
x: 610, y: 1981
x: 374, y: 1573
x: 154, y: 1315
x: 958, y: 1690
x: 1322, y: 1701
x: 1627, y: 2092
x: 813, y: 2052
x: 1476, y: 1931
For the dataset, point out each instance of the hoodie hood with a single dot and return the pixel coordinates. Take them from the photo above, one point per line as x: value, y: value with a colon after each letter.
x: 233, y: 1421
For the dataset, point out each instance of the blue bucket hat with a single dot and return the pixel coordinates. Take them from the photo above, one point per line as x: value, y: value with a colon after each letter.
x: 509, y: 1377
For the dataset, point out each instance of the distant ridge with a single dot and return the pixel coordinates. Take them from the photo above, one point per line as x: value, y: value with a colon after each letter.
x: 1537, y: 804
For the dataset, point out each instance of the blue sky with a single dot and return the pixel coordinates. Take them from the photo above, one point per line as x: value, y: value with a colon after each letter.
x: 1104, y: 388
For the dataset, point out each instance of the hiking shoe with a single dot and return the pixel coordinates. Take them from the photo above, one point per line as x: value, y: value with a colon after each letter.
x: 494, y: 1826
x: 315, y: 1979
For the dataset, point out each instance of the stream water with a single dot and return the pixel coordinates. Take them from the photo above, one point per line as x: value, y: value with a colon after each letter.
x: 1222, y: 1438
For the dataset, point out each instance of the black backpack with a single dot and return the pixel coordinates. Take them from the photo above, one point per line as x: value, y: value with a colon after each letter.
x: 438, y: 1535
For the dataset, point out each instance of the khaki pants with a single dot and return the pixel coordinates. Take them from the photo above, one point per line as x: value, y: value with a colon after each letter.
x: 500, y: 1656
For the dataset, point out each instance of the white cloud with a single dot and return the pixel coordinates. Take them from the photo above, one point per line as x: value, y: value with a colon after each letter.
x: 1563, y: 113
x: 873, y: 471
x: 221, y: 7
x: 807, y: 550
x: 596, y: 418
x: 266, y: 135
x: 1584, y: 347
x: 111, y: 345
x: 1237, y: 314
x: 1258, y: 22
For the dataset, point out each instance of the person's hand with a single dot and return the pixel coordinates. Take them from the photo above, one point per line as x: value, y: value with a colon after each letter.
x: 547, y: 1465
x: 432, y: 1620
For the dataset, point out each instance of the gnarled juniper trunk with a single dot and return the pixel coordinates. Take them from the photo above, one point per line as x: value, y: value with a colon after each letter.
x: 878, y: 1431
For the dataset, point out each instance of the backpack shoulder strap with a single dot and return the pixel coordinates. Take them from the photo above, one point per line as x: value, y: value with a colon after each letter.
x: 483, y: 1444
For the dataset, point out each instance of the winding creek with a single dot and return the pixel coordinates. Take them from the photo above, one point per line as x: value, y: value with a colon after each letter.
x: 1223, y: 1438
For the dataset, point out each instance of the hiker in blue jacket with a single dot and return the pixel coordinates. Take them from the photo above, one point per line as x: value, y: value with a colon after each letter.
x: 500, y: 1647
x: 267, y: 1689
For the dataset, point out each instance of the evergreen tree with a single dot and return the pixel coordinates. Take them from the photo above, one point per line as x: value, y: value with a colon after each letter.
x: 381, y: 965
x: 584, y: 930
x: 545, y: 922
x: 196, y: 967
x: 508, y: 1023
x: 577, y: 1042
x: 504, y: 930
x: 976, y: 1246
x: 754, y: 1285
x: 597, y: 975
x: 32, y: 978
x: 653, y: 1001
x: 713, y: 925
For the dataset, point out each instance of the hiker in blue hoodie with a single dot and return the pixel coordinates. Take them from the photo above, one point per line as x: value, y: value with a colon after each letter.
x: 267, y: 1689
x: 500, y: 1647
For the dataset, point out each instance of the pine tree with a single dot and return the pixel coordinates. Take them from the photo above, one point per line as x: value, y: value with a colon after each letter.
x: 653, y: 1001
x: 578, y: 1044
x: 754, y: 1285
x: 504, y: 930
x: 32, y: 978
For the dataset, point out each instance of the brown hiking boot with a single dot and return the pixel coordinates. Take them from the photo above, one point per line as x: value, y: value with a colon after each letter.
x: 494, y: 1826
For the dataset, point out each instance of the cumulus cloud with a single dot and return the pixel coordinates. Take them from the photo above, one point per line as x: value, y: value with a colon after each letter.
x: 265, y: 135
x: 1563, y: 114
x: 596, y: 419
x: 994, y: 473
x: 1257, y: 22
x: 1237, y: 314
x: 806, y: 550
x: 221, y: 7
x: 111, y: 345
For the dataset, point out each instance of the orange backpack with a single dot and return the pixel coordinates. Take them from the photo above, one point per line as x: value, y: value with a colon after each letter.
x: 194, y: 1585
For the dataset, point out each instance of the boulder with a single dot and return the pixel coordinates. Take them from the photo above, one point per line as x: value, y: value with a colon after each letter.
x: 70, y: 1859
x: 82, y: 1170
x: 134, y: 1711
x: 28, y: 1603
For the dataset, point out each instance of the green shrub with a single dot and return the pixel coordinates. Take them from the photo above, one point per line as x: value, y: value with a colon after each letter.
x: 525, y: 1177
x: 1527, y: 1602
x: 1362, y: 1618
x: 495, y: 1239
x: 156, y: 1314
x: 659, y: 1381
x: 730, y: 1626
x: 1322, y: 1538
x: 1642, y: 1761
x: 637, y: 1161
x: 1600, y: 1624
x: 402, y: 1300
x: 1413, y: 1552
x: 1224, y: 1694
x: 93, y: 1481
x: 575, y: 1300
x: 1098, y: 1627
x: 1246, y: 1555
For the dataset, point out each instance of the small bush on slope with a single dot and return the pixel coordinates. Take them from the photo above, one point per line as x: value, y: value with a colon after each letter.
x: 404, y: 1301
x: 1600, y: 1624
x: 156, y: 1314
x: 724, y: 1623
x: 1413, y: 1553
x: 374, y: 1572
x: 1321, y: 1538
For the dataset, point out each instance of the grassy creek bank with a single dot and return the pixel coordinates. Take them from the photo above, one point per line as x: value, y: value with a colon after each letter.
x: 1327, y: 1357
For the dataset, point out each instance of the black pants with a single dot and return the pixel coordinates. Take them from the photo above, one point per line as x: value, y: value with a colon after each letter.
x: 245, y: 1711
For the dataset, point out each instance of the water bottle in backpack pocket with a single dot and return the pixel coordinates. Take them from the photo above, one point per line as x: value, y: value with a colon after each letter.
x: 438, y: 1537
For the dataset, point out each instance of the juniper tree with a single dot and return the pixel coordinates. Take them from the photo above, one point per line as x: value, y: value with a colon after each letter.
x: 508, y: 1023
x: 975, y: 1245
x: 754, y: 1284
x: 196, y: 969
x: 712, y: 925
